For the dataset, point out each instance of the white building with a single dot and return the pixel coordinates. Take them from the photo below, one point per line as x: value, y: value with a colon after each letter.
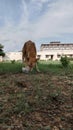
x: 1, y: 58
x: 54, y: 50
x: 17, y: 56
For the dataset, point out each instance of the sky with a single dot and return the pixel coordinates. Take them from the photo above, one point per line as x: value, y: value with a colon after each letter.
x: 41, y: 21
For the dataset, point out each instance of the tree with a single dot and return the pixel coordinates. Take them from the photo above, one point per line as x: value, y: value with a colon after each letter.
x: 1, y: 50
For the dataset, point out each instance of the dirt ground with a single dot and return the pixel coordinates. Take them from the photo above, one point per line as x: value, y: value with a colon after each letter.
x: 40, y: 101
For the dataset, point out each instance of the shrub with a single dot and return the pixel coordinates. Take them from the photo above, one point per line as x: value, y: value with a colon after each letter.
x: 12, y: 61
x: 64, y: 61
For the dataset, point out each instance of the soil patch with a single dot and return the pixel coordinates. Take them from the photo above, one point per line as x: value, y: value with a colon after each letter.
x: 40, y: 101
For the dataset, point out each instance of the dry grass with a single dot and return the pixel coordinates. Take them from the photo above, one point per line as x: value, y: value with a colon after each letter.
x: 40, y: 101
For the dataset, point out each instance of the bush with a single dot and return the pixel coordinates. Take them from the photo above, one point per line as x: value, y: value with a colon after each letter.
x: 64, y: 61
x: 12, y: 61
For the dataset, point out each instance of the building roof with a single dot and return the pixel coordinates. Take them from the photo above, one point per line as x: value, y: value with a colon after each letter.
x: 56, y: 43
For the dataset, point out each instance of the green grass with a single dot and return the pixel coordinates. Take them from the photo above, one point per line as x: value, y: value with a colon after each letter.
x: 53, y: 67
x: 9, y: 67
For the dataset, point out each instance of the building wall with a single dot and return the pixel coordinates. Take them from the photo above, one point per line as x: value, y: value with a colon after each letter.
x: 0, y: 58
x: 13, y: 56
x: 43, y: 55
x: 54, y: 54
x: 47, y: 52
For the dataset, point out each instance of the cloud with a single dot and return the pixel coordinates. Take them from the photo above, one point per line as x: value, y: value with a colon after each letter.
x: 57, y: 19
x: 39, y: 19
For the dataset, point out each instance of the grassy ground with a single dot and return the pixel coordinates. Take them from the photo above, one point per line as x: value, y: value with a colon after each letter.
x: 48, y: 66
x: 36, y: 101
x: 7, y: 67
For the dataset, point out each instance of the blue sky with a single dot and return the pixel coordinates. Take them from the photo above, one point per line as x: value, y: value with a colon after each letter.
x: 41, y: 21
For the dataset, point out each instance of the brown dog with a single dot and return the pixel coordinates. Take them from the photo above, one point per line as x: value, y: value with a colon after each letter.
x: 29, y: 54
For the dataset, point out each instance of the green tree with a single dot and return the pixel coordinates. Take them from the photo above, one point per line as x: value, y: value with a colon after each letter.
x: 1, y: 50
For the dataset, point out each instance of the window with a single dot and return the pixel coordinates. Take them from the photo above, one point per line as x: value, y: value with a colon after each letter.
x: 47, y: 56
